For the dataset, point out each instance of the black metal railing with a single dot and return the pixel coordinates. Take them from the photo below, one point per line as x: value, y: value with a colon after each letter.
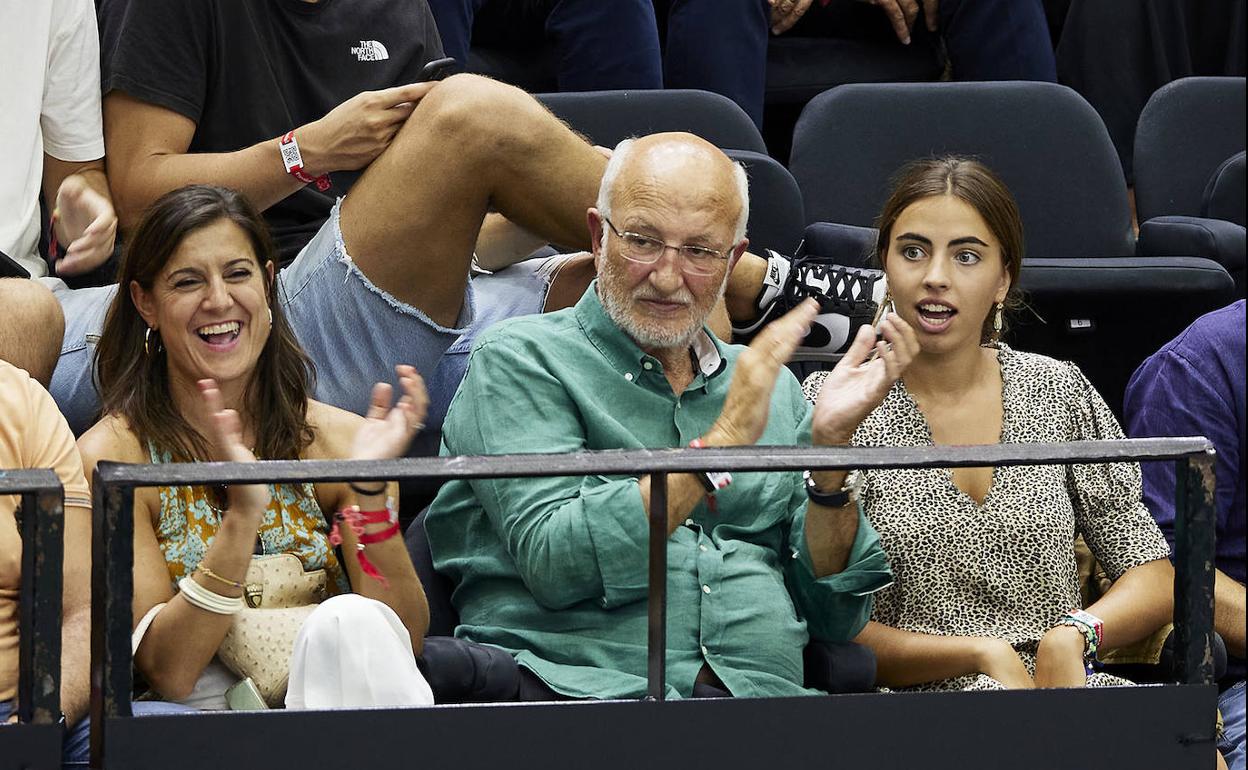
x: 114, y: 485
x: 39, y: 600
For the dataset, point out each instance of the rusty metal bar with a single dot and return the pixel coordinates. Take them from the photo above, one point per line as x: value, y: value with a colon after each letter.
x: 631, y: 462
x: 39, y: 597
x: 112, y: 590
x: 1194, y: 535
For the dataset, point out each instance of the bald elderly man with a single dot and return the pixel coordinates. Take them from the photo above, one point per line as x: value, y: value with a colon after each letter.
x: 554, y: 570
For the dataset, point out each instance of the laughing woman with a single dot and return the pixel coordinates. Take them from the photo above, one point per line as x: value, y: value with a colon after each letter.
x: 986, y: 592
x: 197, y: 362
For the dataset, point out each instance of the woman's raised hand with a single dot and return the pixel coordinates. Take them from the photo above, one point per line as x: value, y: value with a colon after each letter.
x: 226, y: 443
x: 860, y: 382
x: 387, y: 430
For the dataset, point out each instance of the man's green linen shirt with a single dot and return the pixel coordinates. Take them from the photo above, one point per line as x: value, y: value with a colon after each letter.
x: 554, y: 569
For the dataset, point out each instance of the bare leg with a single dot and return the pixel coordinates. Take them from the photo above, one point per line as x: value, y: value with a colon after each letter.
x: 471, y: 145
x: 744, y: 284
x: 30, y: 337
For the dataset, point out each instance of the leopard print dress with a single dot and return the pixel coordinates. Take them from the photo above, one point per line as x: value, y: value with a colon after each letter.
x: 1005, y: 568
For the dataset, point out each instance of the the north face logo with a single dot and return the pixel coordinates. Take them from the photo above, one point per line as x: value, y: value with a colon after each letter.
x: 370, y: 50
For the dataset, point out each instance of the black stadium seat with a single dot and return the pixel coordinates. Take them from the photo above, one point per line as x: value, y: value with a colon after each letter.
x: 1224, y: 196
x: 1044, y: 140
x: 1186, y: 131
x: 607, y: 117
x: 775, y: 203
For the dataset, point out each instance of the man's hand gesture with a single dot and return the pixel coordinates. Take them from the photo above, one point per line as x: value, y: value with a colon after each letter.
x: 744, y: 416
x: 355, y: 132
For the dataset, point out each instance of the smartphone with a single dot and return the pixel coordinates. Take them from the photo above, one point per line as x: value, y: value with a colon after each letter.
x: 11, y: 268
x: 436, y: 69
x: 245, y: 696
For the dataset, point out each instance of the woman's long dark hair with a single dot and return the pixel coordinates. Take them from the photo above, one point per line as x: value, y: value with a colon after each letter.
x: 134, y: 383
x: 976, y: 185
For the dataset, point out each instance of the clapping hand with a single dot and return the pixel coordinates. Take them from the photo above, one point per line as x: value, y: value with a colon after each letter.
x: 226, y: 444
x: 88, y: 222
x: 387, y: 431
x: 861, y: 381
x: 744, y: 417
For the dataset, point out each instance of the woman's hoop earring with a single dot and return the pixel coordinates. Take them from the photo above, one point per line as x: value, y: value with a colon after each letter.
x: 270, y: 316
x: 147, y: 342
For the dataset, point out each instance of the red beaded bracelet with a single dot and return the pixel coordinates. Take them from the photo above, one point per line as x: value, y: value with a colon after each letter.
x: 356, y: 519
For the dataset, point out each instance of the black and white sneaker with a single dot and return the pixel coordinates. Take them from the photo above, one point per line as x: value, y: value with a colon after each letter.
x: 848, y: 297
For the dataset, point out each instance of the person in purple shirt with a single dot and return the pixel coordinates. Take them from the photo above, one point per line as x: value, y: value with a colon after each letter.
x: 1194, y: 386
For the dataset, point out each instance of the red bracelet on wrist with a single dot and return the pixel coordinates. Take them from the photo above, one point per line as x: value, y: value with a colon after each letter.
x: 292, y: 159
x: 356, y: 519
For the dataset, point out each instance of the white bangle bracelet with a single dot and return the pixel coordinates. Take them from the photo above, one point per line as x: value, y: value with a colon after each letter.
x: 210, y: 601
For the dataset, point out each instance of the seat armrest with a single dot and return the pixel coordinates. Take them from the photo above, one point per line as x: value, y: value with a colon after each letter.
x: 1181, y: 236
x: 839, y: 667
x: 847, y: 245
x: 459, y: 671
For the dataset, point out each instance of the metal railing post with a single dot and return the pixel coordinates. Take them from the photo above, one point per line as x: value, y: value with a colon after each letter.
x: 39, y: 604
x: 112, y: 589
x: 656, y: 642
x: 1194, y: 534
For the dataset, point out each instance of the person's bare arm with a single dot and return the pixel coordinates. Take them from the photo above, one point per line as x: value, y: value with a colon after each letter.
x: 147, y: 157
x: 85, y: 223
x: 1228, y: 612
x: 383, y: 433
x: 502, y: 242
x: 857, y: 385
x: 147, y: 149
x: 182, y: 639
x: 907, y: 658
x: 1139, y: 602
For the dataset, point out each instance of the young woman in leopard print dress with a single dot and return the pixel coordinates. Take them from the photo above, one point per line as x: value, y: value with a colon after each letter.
x: 984, y: 558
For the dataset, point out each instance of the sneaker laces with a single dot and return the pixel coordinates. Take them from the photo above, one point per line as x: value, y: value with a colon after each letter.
x: 837, y: 289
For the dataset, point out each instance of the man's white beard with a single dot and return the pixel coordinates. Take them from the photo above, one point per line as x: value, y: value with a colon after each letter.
x: 617, y: 308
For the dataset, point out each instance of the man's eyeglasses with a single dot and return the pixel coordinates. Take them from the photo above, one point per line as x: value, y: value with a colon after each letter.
x: 695, y: 260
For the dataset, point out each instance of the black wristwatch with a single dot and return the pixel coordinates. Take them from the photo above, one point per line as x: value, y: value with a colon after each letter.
x: 848, y: 493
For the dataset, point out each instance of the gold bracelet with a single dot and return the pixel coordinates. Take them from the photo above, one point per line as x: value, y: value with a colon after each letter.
x: 209, y: 573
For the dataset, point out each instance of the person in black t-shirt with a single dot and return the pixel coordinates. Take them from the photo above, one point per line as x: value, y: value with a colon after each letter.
x: 206, y: 91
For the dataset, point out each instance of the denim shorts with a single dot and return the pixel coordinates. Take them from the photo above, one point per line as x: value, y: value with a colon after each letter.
x: 352, y: 330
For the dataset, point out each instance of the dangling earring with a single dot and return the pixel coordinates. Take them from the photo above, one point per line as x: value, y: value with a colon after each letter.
x: 998, y: 321
x: 885, y: 306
